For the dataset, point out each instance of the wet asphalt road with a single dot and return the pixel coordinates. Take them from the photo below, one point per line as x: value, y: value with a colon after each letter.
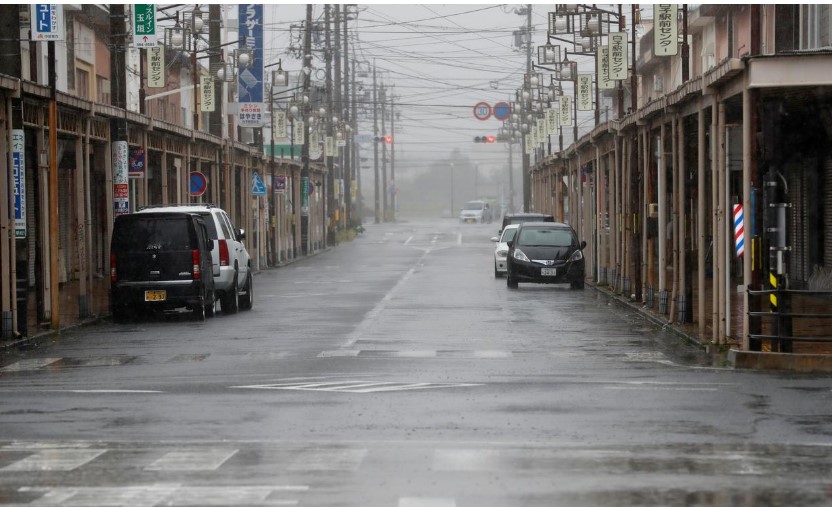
x: 396, y: 371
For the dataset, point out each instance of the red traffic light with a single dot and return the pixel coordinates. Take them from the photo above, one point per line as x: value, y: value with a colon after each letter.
x: 490, y: 139
x: 485, y: 139
x: 388, y: 139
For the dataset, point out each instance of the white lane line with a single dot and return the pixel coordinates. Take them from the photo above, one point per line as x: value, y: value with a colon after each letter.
x: 101, y: 391
x: 418, y: 501
x: 160, y: 494
x: 30, y: 364
x: 372, y: 315
x: 54, y: 460
x: 192, y: 461
x: 493, y: 354
x: 339, y: 353
x: 408, y: 240
x: 465, y: 460
x: 661, y: 388
x: 315, y: 460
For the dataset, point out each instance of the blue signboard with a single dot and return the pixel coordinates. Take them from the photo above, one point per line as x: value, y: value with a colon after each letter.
x: 250, y: 80
x: 47, y: 22
x: 19, y: 174
x: 136, y: 164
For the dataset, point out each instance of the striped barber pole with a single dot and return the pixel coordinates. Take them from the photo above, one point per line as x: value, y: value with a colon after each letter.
x: 739, y: 231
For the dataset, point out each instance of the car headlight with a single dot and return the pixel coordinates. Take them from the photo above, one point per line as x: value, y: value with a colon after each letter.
x: 502, y: 254
x: 576, y: 256
x: 520, y: 256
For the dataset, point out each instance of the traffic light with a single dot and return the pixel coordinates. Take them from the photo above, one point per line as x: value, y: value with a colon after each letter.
x: 388, y: 139
x: 485, y: 139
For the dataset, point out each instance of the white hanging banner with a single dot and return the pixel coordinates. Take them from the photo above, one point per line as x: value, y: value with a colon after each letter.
x: 156, y: 67
x: 280, y: 125
x: 329, y: 146
x: 552, y: 120
x: 300, y: 132
x: 618, y: 56
x: 666, y: 33
x: 584, y: 92
x: 206, y: 88
x: 565, y: 111
x: 603, y: 70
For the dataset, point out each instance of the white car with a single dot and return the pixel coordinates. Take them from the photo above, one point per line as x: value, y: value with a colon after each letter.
x: 233, y: 283
x: 477, y: 212
x: 501, y: 251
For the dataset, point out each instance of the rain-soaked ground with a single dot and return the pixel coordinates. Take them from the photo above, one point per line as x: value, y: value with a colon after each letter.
x: 395, y: 370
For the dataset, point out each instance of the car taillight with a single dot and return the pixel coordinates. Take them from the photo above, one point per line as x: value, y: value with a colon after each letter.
x: 223, y: 252
x: 197, y: 272
x: 113, y: 276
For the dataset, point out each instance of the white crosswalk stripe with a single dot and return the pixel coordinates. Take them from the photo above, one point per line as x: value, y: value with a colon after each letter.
x: 54, y: 460
x: 192, y: 461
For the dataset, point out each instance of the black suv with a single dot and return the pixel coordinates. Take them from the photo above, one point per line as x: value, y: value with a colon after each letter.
x: 545, y: 252
x: 161, y: 261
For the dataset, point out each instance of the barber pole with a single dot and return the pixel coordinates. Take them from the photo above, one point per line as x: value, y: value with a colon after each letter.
x: 739, y: 231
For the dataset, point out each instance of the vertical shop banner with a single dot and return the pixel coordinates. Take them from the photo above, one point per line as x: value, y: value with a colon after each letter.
x: 279, y: 184
x: 618, y: 56
x: 121, y: 188
x: 565, y: 111
x: 137, y: 161
x: 206, y: 88
x: 603, y: 70
x: 144, y: 25
x: 584, y: 92
x: 19, y: 175
x: 280, y: 125
x: 552, y: 120
x: 250, y: 79
x: 47, y: 22
x: 541, y: 131
x: 529, y: 145
x: 329, y: 146
x: 666, y: 33
x: 304, y: 196
x: 156, y: 67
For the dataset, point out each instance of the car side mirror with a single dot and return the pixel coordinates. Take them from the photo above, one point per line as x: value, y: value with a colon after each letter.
x: 582, y: 245
x: 495, y: 239
x: 242, y: 234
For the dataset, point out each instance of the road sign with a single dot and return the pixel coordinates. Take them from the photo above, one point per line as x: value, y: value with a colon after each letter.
x: 47, y: 22
x: 144, y: 25
x: 482, y: 111
x: 257, y: 186
x: 502, y: 110
x: 198, y: 183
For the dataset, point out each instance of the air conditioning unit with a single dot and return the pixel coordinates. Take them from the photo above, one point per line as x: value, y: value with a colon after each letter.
x: 653, y: 210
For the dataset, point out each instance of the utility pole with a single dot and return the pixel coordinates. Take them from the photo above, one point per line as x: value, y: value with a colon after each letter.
x: 327, y: 121
x: 214, y: 22
x: 304, y: 174
x: 375, y: 143
x: 527, y: 183
x: 393, y: 157
x: 338, y: 111
x: 383, y: 100
x: 356, y: 158
x: 347, y: 101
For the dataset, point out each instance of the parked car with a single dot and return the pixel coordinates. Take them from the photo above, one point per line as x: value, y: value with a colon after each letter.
x: 501, y: 251
x: 475, y: 212
x: 519, y: 218
x: 161, y: 261
x: 545, y: 252
x: 231, y: 267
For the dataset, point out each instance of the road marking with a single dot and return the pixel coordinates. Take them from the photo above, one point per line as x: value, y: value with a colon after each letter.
x: 54, y: 460
x: 660, y: 388
x: 206, y: 460
x: 100, y: 391
x: 465, y: 460
x: 30, y: 364
x: 426, y: 502
x: 339, y: 353
x: 319, y: 460
x: 353, y: 386
x: 160, y: 494
x: 493, y: 354
x: 408, y: 240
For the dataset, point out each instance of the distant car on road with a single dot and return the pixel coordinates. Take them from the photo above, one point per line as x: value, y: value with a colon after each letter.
x: 501, y: 251
x: 519, y: 218
x: 545, y: 252
x: 475, y: 212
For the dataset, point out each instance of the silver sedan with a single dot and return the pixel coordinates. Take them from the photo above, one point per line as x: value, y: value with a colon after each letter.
x: 501, y: 251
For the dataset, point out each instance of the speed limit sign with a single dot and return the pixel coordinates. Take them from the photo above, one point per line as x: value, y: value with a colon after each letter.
x: 482, y: 111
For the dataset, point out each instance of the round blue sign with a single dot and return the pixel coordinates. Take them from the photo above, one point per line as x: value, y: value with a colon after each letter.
x: 197, y: 183
x: 502, y: 110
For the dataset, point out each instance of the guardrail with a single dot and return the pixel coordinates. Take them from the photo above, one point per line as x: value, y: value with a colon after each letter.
x: 790, y: 323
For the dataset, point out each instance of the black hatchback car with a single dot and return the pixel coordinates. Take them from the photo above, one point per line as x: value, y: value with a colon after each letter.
x: 161, y: 261
x: 519, y: 218
x: 545, y: 252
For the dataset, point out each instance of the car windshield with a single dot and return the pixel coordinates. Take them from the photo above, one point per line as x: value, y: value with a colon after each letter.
x: 473, y: 206
x: 545, y: 237
x: 152, y: 233
x: 508, y: 235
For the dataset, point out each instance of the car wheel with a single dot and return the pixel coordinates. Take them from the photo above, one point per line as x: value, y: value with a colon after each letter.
x: 511, y: 283
x: 231, y: 298
x: 210, y: 306
x: 247, y: 299
x: 577, y: 285
x: 199, y: 312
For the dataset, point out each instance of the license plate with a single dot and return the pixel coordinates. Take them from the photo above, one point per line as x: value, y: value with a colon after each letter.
x: 155, y: 295
x: 548, y: 271
x: 471, y: 220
